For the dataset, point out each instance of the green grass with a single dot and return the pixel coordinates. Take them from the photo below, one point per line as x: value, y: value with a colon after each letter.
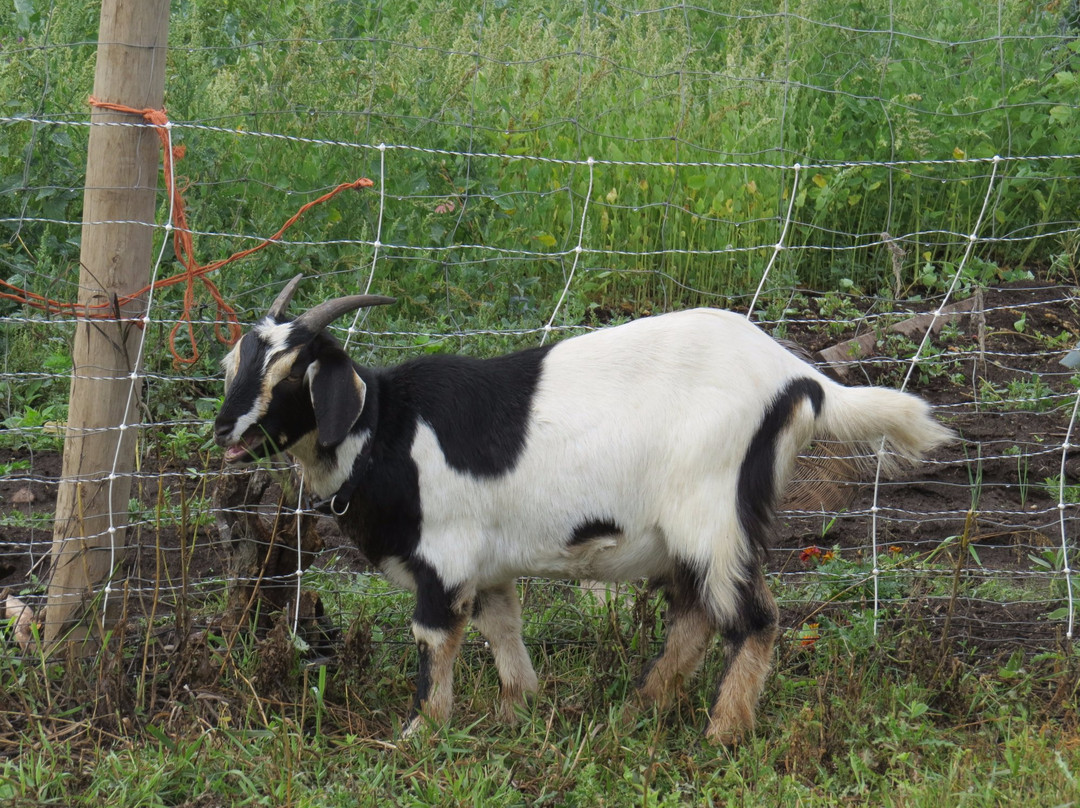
x: 1031, y: 394
x: 852, y: 720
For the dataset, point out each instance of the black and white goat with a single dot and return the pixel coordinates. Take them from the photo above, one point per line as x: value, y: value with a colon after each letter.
x: 655, y: 449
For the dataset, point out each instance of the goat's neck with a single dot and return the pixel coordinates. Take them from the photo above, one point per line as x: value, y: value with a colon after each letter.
x: 327, y: 470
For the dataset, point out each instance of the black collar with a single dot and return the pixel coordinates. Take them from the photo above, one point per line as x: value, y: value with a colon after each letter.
x: 331, y: 506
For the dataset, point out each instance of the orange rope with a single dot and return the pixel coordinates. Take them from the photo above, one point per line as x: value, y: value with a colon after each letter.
x: 182, y: 246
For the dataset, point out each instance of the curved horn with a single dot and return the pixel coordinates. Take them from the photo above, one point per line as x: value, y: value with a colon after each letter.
x: 318, y: 318
x: 281, y: 302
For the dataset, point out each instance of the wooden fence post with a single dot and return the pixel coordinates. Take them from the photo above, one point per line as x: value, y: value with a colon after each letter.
x: 117, y: 252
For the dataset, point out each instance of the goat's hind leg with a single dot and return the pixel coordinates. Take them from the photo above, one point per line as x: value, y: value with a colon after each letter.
x: 497, y: 615
x: 749, y: 638
x: 690, y: 630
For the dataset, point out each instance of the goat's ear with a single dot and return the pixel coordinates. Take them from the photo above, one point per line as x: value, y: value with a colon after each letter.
x: 337, y: 396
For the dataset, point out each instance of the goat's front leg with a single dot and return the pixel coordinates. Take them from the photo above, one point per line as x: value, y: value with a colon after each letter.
x: 438, y: 626
x: 497, y: 616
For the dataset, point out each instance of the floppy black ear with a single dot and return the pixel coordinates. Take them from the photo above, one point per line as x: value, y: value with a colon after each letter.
x: 337, y: 396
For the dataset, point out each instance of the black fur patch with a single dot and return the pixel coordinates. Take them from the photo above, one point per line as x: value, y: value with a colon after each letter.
x: 756, y: 610
x: 241, y: 396
x: 478, y: 408
x: 682, y: 588
x: 593, y: 529
x: 384, y: 514
x: 757, y: 493
x: 434, y: 602
x: 423, y: 678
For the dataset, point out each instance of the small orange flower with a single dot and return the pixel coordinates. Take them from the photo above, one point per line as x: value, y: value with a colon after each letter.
x: 809, y: 634
x: 811, y: 553
x: 896, y: 550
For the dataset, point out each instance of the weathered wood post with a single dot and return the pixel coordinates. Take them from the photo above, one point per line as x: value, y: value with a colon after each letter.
x: 117, y: 244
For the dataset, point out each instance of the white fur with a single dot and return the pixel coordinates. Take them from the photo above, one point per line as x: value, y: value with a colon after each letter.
x: 231, y: 363
x: 645, y: 425
x: 275, y: 335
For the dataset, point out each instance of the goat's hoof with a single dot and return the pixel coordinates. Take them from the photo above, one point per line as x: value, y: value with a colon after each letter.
x: 515, y: 701
x: 418, y: 727
x: 724, y: 733
x: 512, y: 711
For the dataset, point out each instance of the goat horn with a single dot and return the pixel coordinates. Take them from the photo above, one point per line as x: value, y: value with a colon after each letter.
x: 281, y: 302
x: 318, y: 318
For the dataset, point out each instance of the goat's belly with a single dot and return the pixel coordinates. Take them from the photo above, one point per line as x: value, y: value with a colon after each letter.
x: 605, y: 558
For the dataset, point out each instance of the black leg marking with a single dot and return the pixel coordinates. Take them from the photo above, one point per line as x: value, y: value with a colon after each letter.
x: 433, y: 600
x: 690, y: 629
x: 757, y: 492
x: 439, y: 627
x: 423, y: 679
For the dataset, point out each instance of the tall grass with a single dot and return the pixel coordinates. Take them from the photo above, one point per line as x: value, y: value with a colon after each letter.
x: 635, y: 88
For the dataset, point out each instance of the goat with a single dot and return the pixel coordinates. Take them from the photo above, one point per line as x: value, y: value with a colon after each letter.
x: 655, y: 449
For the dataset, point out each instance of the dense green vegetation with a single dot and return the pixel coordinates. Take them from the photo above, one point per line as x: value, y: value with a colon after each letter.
x: 531, y: 82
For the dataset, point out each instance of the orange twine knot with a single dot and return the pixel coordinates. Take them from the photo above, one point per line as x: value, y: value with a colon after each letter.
x: 183, y: 247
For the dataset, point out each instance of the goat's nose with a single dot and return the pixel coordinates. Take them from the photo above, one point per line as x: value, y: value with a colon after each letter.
x: 222, y: 431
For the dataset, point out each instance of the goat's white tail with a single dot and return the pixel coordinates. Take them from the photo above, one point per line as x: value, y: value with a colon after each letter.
x: 863, y: 417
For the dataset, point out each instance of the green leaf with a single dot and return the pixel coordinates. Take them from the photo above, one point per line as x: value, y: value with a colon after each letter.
x: 504, y: 202
x: 162, y: 738
x: 916, y: 709
x: 1061, y: 114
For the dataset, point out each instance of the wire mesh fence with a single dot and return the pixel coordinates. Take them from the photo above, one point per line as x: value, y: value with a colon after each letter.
x: 895, y: 194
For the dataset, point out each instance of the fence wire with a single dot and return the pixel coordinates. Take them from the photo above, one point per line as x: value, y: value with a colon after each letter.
x: 539, y: 187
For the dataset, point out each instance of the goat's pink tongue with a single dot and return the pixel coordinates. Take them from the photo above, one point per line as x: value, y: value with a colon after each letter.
x: 234, y: 453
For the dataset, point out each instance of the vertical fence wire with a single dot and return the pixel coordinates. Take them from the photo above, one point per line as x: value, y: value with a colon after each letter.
x: 578, y: 249
x: 133, y: 385
x: 478, y: 158
x: 780, y: 242
x: 972, y: 240
x: 1066, y: 566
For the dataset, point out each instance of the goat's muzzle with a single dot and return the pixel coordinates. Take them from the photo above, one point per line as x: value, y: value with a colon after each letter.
x: 252, y: 445
x: 236, y: 450
x: 222, y: 432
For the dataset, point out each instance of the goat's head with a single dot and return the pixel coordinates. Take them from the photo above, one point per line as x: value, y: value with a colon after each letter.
x: 286, y: 379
